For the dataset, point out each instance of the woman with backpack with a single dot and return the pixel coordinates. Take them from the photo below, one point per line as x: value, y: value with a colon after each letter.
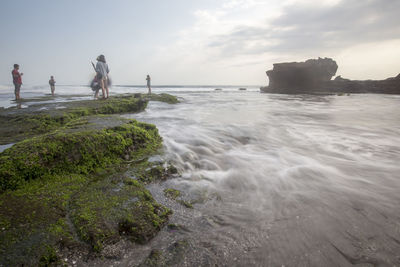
x: 102, y: 74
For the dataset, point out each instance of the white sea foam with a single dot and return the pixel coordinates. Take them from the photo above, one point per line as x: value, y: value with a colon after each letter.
x: 293, y: 172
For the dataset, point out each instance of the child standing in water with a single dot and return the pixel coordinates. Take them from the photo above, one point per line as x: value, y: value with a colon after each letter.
x: 17, y: 81
x: 102, y: 72
x: 52, y: 83
x: 148, y: 79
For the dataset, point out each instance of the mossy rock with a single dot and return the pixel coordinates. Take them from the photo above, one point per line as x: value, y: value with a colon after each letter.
x: 185, y: 203
x: 17, y: 128
x: 167, y: 98
x: 110, y: 208
x: 49, y: 258
x: 79, y: 152
x: 33, y: 220
x: 172, y: 193
x: 57, y: 191
x: 44, y: 215
x: 18, y: 124
x: 150, y: 172
x: 99, y: 208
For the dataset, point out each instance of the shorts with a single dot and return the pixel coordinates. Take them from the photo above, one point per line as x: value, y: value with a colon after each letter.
x: 17, y: 88
x: 105, y: 81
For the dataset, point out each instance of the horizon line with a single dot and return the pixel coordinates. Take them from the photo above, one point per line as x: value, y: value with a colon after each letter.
x: 163, y: 85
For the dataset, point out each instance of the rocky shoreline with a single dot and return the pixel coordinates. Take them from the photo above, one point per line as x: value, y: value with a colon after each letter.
x: 73, y: 184
x: 314, y: 77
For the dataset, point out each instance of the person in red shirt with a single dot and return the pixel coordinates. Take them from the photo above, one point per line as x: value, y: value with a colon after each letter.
x: 17, y: 80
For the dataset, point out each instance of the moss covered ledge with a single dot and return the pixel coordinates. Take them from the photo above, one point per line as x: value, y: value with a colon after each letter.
x: 167, y: 98
x: 78, y: 184
x: 19, y: 124
x: 69, y: 190
x: 80, y: 152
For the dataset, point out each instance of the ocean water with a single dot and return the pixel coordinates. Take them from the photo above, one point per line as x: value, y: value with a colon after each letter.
x: 276, y: 180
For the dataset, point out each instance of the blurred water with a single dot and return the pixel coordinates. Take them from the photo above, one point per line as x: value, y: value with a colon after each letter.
x: 285, y: 180
x: 277, y: 180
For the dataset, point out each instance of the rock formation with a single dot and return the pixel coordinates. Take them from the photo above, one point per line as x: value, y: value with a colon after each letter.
x: 314, y: 76
x: 65, y: 193
x: 387, y: 86
x: 299, y: 76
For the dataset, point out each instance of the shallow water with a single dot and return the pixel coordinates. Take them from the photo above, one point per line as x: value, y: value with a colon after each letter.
x: 285, y: 180
x: 279, y: 180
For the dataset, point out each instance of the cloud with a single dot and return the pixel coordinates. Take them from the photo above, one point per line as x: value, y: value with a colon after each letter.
x: 306, y: 26
x: 225, y: 26
x: 229, y: 43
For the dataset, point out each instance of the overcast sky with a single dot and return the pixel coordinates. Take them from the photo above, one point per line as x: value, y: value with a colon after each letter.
x: 188, y: 42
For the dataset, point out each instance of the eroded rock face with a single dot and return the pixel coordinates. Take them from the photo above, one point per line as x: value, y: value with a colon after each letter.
x: 301, y: 76
x: 387, y: 86
x: 314, y: 76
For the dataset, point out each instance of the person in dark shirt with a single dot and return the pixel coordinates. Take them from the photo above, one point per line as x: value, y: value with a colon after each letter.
x: 52, y: 83
x: 17, y: 80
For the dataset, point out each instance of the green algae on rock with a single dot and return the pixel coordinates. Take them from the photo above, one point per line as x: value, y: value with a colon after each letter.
x: 185, y: 203
x: 18, y: 124
x: 33, y: 220
x: 63, y: 192
x: 67, y: 188
x: 150, y: 172
x: 172, y: 193
x: 114, y: 207
x: 32, y: 121
x: 167, y: 98
x: 79, y: 152
x: 75, y: 212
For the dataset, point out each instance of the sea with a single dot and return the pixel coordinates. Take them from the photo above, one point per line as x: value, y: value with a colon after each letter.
x: 274, y: 179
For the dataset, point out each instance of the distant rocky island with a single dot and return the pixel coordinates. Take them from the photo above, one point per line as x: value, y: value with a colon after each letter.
x: 315, y: 76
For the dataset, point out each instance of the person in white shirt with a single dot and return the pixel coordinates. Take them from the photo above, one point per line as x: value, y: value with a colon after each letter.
x: 102, y: 72
x: 148, y: 79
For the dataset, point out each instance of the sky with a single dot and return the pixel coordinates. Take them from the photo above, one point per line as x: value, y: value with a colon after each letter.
x: 196, y: 42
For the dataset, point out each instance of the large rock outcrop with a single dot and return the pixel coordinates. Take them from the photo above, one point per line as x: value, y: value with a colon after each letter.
x: 300, y: 76
x: 73, y: 183
x: 314, y: 76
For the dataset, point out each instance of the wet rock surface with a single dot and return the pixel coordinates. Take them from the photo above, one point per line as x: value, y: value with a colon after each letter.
x: 69, y: 192
x: 35, y: 118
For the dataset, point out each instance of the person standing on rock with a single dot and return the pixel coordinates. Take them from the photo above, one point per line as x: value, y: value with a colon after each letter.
x: 52, y: 83
x: 148, y: 79
x: 17, y: 81
x: 102, y: 72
